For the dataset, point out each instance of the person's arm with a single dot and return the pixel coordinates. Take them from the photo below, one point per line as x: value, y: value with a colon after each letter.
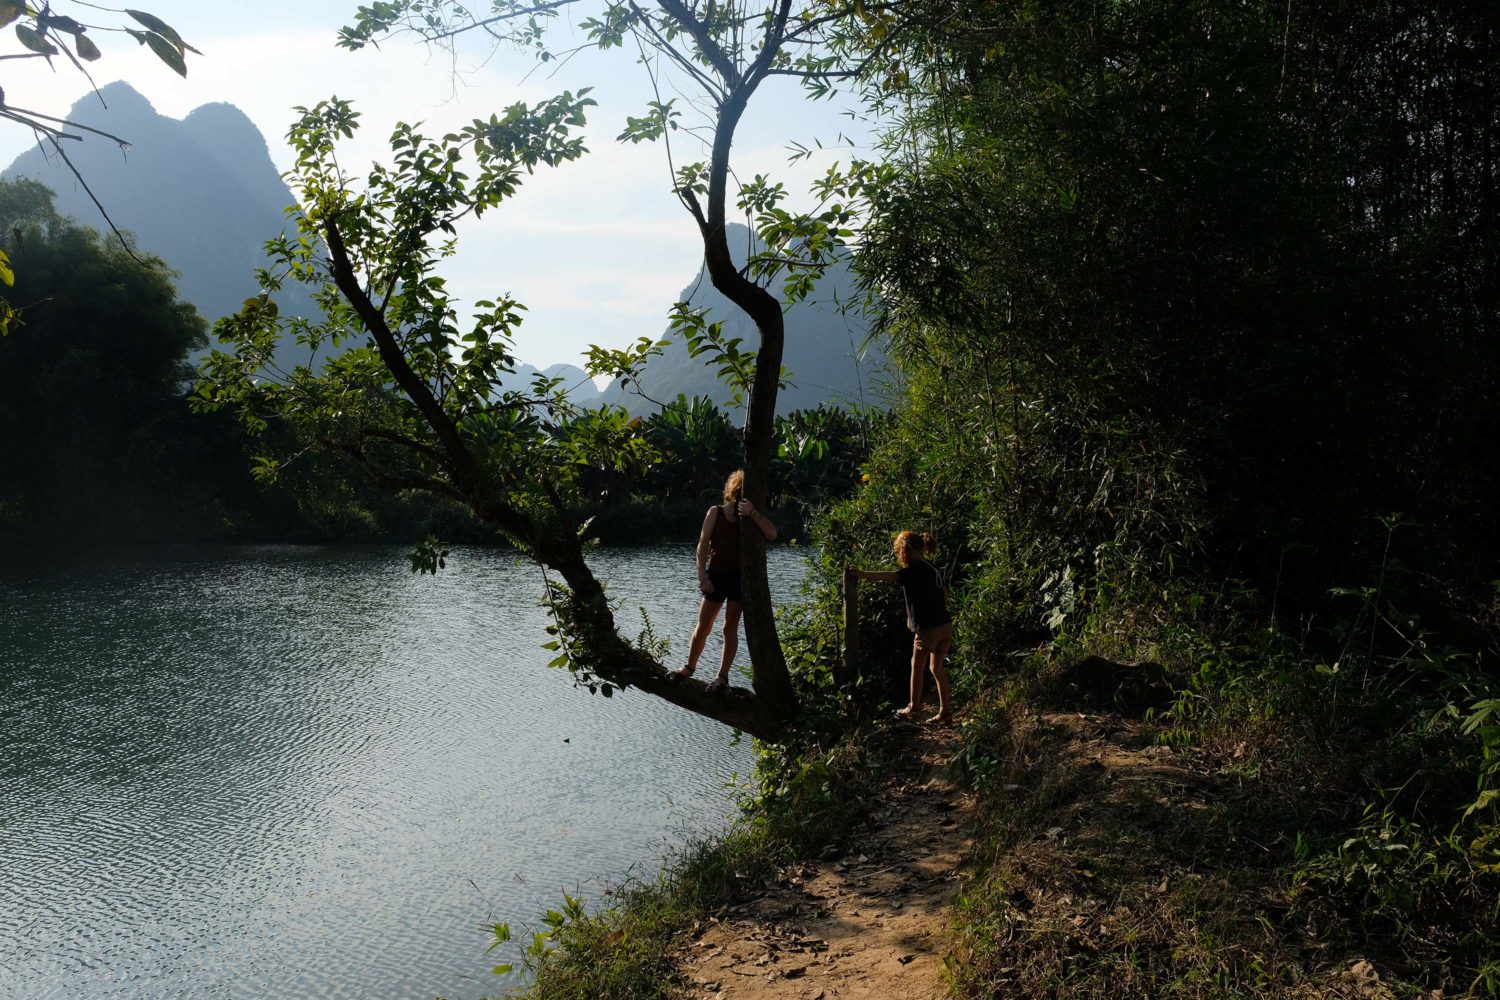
x: 700, y: 557
x: 878, y: 575
x: 747, y: 509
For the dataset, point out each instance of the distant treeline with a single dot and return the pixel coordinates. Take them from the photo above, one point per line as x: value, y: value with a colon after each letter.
x: 819, y: 454
x: 100, y: 444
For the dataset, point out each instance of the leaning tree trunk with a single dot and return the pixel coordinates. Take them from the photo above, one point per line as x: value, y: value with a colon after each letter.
x: 596, y: 639
x: 768, y: 663
x: 595, y: 643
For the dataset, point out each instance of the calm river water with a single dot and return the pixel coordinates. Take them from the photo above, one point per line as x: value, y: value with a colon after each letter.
x: 301, y: 772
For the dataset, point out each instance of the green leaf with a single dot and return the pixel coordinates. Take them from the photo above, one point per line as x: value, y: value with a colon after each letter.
x: 86, y: 49
x: 34, y: 41
x: 10, y: 10
x: 7, y: 273
x: 1486, y: 798
x: 167, y: 52
x: 502, y: 969
x: 162, y: 28
x: 59, y: 22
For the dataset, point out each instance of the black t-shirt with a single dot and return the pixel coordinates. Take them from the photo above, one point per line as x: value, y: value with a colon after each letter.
x: 922, y: 587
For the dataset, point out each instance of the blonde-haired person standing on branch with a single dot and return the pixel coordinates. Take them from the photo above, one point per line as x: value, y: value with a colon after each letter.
x: 926, y: 615
x: 718, y: 559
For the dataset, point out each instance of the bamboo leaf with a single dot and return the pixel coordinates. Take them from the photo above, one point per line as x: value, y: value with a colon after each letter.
x: 167, y: 53
x: 34, y: 40
x: 162, y: 28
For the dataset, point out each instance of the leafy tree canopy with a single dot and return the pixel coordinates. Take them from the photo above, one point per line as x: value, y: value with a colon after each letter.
x: 47, y: 33
x: 105, y: 351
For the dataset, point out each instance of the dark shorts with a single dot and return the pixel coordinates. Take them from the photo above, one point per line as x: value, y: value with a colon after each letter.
x: 726, y: 584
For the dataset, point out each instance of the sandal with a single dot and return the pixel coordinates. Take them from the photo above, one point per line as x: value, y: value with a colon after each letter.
x: 681, y: 673
x: 717, y: 684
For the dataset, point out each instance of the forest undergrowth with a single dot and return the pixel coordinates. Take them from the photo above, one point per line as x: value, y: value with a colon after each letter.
x: 1311, y: 828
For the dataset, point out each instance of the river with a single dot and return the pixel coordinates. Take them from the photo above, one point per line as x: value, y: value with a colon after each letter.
x: 304, y: 772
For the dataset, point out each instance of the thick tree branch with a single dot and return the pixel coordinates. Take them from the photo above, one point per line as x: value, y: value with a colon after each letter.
x: 391, y: 481
x: 771, y: 681
x: 456, y: 457
x: 775, y: 31
x: 381, y: 434
x: 711, y: 49
x: 683, y: 62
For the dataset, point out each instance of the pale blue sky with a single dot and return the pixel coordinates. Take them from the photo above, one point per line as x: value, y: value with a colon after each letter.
x: 597, y: 250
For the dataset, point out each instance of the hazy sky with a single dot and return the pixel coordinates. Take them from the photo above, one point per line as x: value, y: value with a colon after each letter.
x: 597, y: 250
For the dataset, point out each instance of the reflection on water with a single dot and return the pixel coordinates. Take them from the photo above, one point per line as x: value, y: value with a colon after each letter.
x: 304, y: 772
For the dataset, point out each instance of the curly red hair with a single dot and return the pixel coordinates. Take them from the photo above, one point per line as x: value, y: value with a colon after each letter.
x: 734, y: 486
x: 913, y: 544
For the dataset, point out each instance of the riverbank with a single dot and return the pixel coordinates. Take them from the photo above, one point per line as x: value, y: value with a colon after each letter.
x: 868, y: 916
x: 1081, y: 835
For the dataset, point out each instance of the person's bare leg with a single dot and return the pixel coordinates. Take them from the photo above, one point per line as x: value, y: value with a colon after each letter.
x: 940, y: 675
x: 918, y: 670
x: 707, y: 612
x: 732, y: 612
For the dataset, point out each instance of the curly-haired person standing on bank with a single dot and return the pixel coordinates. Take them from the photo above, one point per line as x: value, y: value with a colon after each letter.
x: 718, y: 559
x: 926, y: 615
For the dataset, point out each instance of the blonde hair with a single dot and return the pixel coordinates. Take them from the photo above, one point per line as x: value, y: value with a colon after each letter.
x: 912, y: 544
x: 734, y: 486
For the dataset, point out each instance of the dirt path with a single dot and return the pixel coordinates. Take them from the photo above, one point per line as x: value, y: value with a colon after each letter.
x: 1130, y: 865
x: 869, y: 923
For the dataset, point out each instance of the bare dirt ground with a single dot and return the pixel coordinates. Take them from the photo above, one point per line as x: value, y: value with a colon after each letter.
x: 870, y: 922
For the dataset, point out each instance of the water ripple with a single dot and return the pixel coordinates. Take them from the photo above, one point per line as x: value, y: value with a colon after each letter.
x: 283, y: 771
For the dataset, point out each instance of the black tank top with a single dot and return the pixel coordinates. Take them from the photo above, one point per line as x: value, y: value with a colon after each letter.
x: 724, y: 542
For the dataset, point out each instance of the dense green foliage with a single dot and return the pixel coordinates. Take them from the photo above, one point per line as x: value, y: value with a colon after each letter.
x: 1196, y: 308
x: 100, y: 443
x: 88, y: 383
x: 1189, y: 281
x: 695, y: 446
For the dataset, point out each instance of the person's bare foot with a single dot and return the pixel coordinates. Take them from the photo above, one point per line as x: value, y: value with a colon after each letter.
x: 718, y: 684
x: 905, y: 714
x: 682, y: 673
x: 940, y: 720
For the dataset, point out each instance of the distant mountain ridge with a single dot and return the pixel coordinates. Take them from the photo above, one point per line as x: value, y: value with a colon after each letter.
x: 201, y: 193
x: 576, y: 383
